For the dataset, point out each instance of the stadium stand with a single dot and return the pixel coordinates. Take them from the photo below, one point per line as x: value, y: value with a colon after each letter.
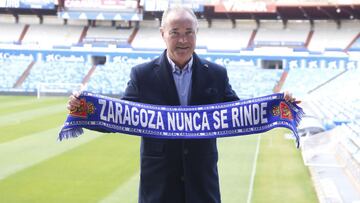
x: 41, y: 35
x: 338, y: 96
x: 10, y: 32
x: 340, y: 38
x: 55, y: 72
x: 110, y: 78
x: 251, y: 82
x: 106, y: 33
x: 300, y: 85
x: 148, y: 36
x: 207, y: 33
x: 10, y: 72
x: 78, y: 22
x: 349, y: 148
x: 7, y: 18
x: 52, y: 20
x: 28, y: 19
x: 336, y: 104
x: 274, y: 33
x: 356, y: 45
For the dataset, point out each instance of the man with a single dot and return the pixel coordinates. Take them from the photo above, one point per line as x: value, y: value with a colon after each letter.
x: 178, y: 170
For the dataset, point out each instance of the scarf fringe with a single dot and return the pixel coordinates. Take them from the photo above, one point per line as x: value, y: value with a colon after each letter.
x: 299, y: 114
x: 70, y: 133
x: 297, y: 137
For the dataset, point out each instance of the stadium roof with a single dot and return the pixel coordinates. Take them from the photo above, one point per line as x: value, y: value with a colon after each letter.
x: 284, y: 12
x: 292, y: 12
x: 319, y: 11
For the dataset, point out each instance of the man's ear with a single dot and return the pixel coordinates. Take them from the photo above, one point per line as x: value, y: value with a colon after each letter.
x: 162, y: 31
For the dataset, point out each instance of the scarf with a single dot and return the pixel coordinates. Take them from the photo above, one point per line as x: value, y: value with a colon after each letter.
x: 237, y: 118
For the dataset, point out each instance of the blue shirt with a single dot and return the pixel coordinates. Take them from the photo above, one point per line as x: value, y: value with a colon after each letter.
x: 182, y: 79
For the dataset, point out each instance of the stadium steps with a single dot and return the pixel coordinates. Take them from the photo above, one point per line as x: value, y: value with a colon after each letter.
x: 26, y: 73
x: 83, y: 34
x: 333, y: 179
x: 251, y: 40
x: 351, y: 164
x: 88, y: 75
x: 308, y: 39
x: 133, y: 34
x: 23, y: 33
x: 330, y: 191
x: 279, y: 85
x: 327, y: 81
x: 352, y: 42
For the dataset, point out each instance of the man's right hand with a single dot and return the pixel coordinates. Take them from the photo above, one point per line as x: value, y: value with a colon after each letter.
x: 74, y: 101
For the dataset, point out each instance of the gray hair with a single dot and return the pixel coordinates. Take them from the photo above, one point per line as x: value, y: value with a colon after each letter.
x: 178, y: 8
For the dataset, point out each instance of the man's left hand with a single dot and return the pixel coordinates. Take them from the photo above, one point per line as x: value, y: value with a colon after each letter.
x: 289, y: 98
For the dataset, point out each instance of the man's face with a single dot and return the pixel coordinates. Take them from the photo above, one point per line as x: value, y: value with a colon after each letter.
x: 179, y: 34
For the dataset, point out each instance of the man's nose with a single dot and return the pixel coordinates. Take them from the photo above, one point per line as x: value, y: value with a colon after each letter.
x: 182, y: 38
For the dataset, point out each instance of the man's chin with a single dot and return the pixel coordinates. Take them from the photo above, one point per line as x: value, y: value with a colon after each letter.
x: 183, y: 57
x: 184, y: 53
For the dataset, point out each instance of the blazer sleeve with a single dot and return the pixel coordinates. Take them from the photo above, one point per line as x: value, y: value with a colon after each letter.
x: 229, y: 93
x: 132, y: 89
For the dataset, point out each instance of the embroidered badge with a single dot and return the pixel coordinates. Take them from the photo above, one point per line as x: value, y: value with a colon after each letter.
x: 84, y: 109
x: 275, y: 111
x: 283, y: 111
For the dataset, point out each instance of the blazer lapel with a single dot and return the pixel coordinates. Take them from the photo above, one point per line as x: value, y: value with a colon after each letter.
x: 199, y: 79
x: 166, y: 81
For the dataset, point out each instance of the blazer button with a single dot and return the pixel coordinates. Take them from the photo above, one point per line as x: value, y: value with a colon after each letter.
x: 186, y: 151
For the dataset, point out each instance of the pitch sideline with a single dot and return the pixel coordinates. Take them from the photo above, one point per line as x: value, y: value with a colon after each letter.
x: 253, y: 172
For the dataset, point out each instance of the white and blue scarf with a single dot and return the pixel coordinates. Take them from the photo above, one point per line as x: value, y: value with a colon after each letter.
x: 244, y: 117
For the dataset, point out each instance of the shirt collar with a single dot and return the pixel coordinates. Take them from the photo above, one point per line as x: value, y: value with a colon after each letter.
x: 175, y: 68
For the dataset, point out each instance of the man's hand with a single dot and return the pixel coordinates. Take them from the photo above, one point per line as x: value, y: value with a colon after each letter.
x: 74, y: 101
x: 289, y: 98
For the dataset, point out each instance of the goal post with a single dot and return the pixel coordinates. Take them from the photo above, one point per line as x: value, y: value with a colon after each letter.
x: 51, y: 89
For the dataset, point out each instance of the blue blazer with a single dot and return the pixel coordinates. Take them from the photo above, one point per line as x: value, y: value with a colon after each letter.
x: 178, y: 171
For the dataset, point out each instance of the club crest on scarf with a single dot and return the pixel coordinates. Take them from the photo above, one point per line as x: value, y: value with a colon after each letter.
x: 283, y: 111
x: 84, y: 109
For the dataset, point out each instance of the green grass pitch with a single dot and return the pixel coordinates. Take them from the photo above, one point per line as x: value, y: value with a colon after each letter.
x: 35, y: 167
